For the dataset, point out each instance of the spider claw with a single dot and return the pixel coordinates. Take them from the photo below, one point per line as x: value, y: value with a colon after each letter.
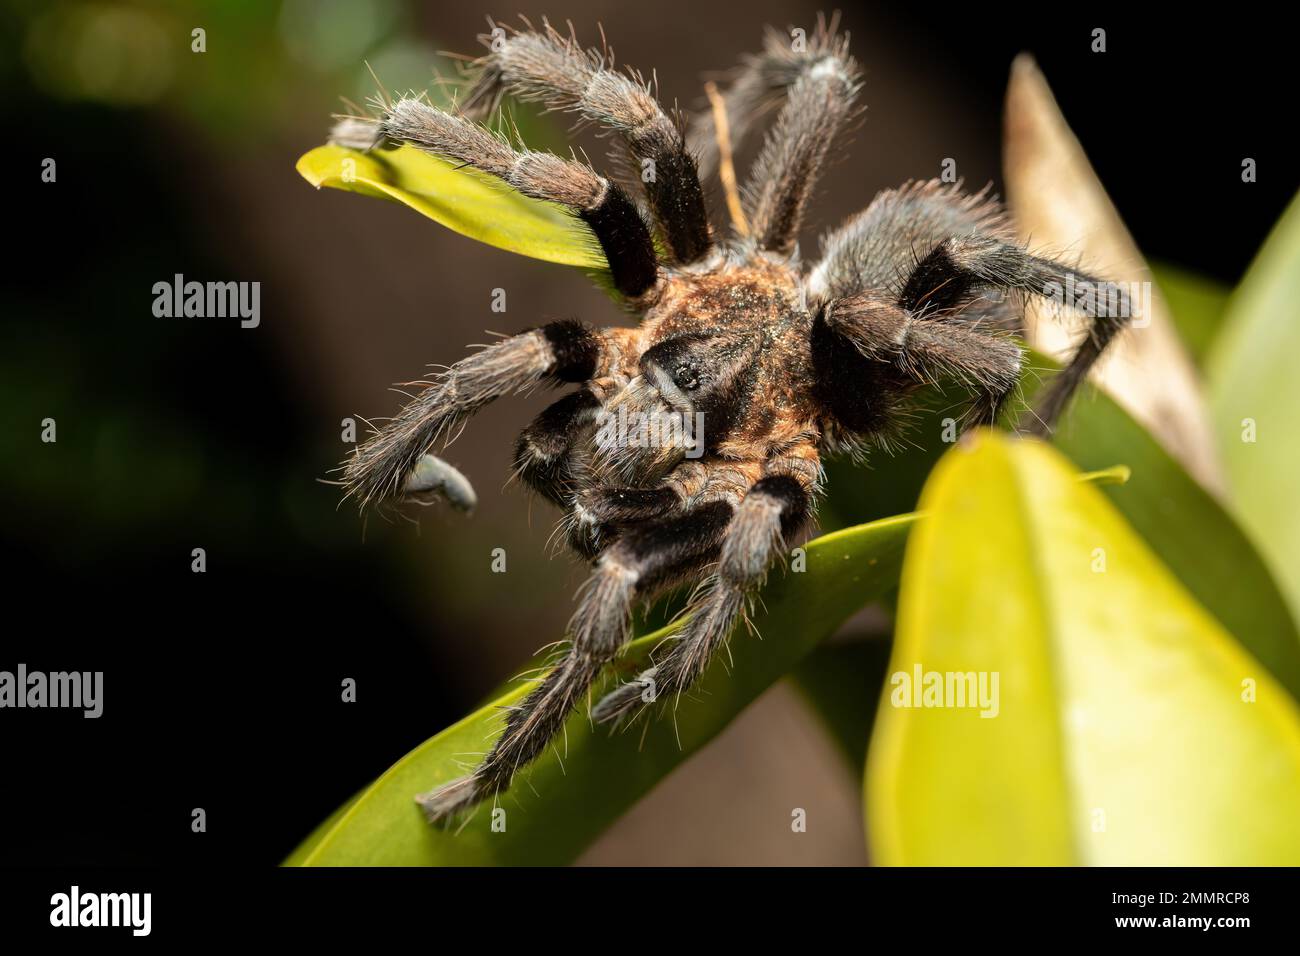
x: 432, y: 478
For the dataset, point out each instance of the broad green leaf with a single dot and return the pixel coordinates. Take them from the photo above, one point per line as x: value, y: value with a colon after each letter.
x: 1122, y: 733
x: 1255, y: 398
x: 463, y: 199
x: 600, y: 775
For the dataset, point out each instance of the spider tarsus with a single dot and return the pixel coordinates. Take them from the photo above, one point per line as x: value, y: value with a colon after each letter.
x: 451, y: 800
x: 621, y: 701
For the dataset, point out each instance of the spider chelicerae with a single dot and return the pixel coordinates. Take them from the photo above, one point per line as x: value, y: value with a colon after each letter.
x: 783, y: 363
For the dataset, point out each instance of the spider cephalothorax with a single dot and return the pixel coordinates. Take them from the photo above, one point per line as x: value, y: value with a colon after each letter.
x: 764, y: 365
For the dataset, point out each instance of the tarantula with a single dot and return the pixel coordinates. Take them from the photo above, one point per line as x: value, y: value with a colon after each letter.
x: 785, y: 363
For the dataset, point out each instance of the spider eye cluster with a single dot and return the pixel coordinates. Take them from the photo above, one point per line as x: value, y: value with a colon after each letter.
x: 687, y: 376
x: 689, y: 371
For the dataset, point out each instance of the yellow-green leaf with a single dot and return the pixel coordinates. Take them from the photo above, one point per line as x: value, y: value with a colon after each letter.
x: 1130, y: 727
x: 562, y: 803
x: 463, y: 199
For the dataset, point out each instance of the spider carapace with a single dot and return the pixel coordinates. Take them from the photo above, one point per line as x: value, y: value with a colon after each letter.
x: 781, y: 362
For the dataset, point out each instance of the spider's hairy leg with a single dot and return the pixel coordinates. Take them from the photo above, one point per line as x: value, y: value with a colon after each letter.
x: 945, y: 254
x: 600, y: 512
x: 992, y: 262
x: 929, y: 351
x: 645, y: 560
x: 601, y: 204
x: 760, y: 84
x: 547, y: 67
x: 552, y: 458
x: 393, y: 462
x: 819, y: 104
x: 545, y: 451
x: 773, y: 510
x: 612, y: 505
x: 878, y: 247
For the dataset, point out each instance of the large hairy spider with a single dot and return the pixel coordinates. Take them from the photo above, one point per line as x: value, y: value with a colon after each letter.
x: 785, y: 363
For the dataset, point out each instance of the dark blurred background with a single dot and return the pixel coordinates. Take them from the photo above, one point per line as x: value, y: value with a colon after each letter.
x: 223, y: 688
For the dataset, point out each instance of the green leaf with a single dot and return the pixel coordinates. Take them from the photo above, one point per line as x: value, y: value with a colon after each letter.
x: 1255, y: 400
x: 463, y: 199
x: 602, y: 775
x: 1121, y: 734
